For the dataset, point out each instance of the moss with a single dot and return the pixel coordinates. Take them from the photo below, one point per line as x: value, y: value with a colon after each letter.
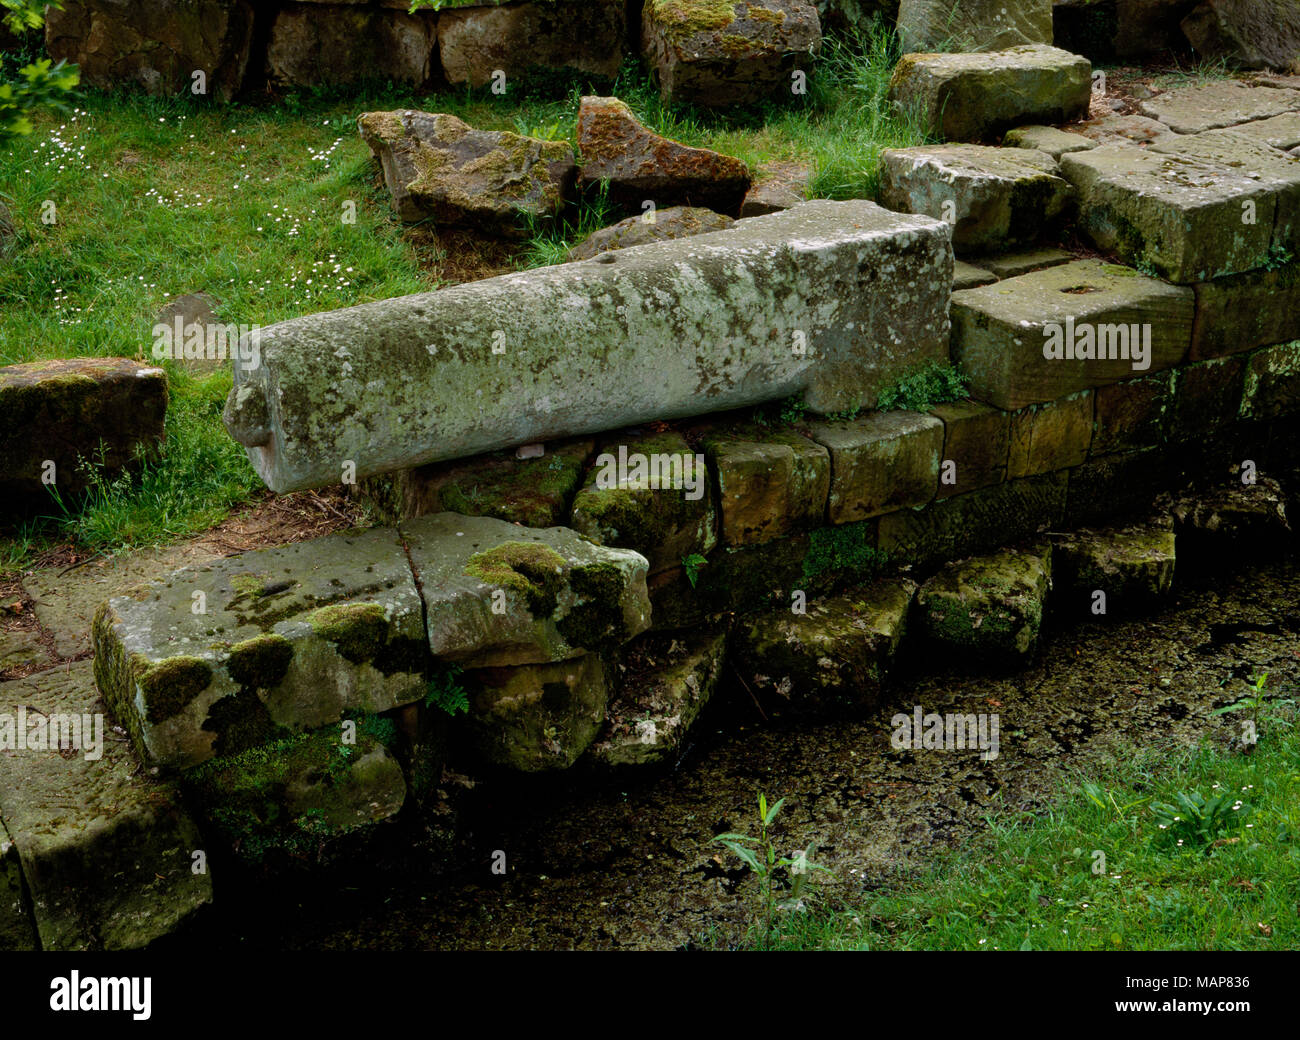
x: 358, y: 630
x: 679, y: 19
x: 596, y: 619
x: 168, y: 686
x: 530, y: 569
x: 244, y: 794
x: 260, y: 662
x: 847, y: 550
x: 764, y: 14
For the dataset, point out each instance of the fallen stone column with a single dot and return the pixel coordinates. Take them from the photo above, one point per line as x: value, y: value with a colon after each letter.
x: 831, y: 299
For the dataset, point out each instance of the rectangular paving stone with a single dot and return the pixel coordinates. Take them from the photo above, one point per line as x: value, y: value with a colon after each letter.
x: 1000, y: 332
x: 1200, y: 210
x: 1245, y: 311
x: 773, y: 482
x: 1052, y: 436
x: 242, y: 651
x: 1132, y: 414
x: 879, y: 462
x: 107, y: 850
x: 976, y: 441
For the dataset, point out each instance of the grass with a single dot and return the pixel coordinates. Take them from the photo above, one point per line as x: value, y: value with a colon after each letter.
x: 1029, y: 881
x: 151, y: 198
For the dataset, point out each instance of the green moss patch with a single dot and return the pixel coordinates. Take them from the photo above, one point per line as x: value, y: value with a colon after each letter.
x: 260, y: 662
x: 170, y: 685
x: 358, y: 630
x: 533, y: 570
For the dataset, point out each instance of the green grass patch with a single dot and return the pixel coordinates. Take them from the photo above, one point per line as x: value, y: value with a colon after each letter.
x: 1102, y: 870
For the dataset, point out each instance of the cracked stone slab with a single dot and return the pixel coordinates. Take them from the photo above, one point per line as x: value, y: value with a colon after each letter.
x: 1219, y: 103
x: 217, y: 658
x: 107, y: 850
x: 500, y: 595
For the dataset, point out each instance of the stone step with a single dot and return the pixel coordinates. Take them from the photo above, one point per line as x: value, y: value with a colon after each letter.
x: 1001, y: 331
x: 667, y: 682
x: 835, y: 655
x: 976, y: 97
x: 496, y: 594
x: 1114, y: 571
x: 987, y: 611
x: 839, y: 299
x: 107, y: 850
x: 1189, y: 208
x: 995, y: 198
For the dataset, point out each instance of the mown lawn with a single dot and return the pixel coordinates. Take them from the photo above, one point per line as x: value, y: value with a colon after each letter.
x: 1040, y: 881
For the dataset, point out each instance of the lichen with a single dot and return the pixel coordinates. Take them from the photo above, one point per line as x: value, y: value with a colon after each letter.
x: 679, y: 19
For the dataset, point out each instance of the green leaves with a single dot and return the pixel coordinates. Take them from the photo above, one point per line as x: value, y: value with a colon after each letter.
x: 1195, y: 821
x: 692, y: 563
x: 759, y: 855
x: 41, y: 85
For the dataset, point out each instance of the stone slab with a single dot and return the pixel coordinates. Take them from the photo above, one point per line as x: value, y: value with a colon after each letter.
x: 880, y: 462
x: 218, y: 658
x: 106, y: 849
x: 413, y: 380
x: 1002, y: 332
x: 497, y: 595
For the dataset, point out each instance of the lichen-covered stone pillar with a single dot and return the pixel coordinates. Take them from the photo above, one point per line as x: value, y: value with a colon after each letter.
x: 830, y: 299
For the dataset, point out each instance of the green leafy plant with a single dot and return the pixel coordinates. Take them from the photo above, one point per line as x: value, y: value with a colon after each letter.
x: 759, y: 855
x: 41, y: 84
x: 934, y: 384
x: 1252, y: 703
x: 693, y: 562
x: 445, y: 691
x: 780, y: 413
x: 1194, y: 821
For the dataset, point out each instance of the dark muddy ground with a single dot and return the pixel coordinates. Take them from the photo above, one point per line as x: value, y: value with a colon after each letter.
x: 628, y: 863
